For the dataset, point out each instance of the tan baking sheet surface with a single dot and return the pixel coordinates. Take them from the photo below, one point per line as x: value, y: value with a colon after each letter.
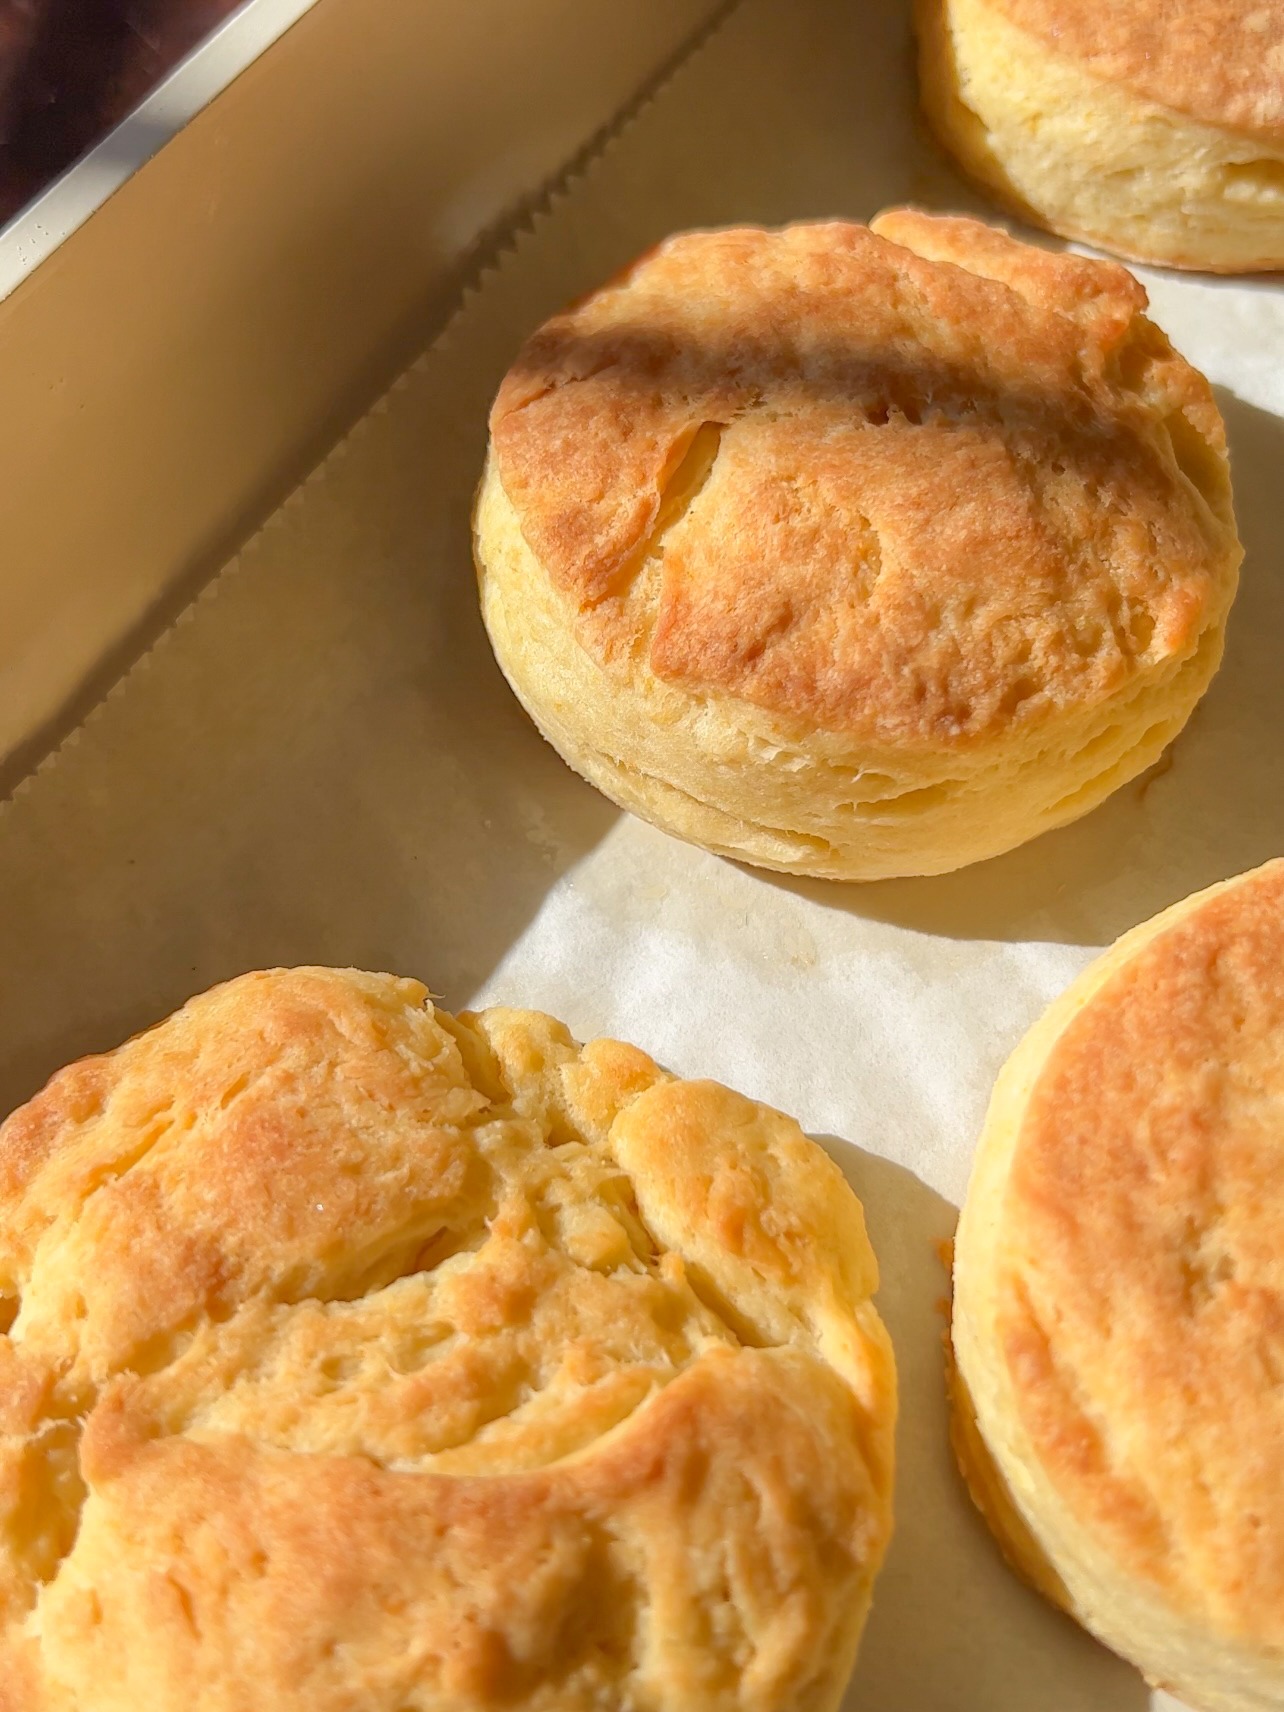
x: 321, y: 763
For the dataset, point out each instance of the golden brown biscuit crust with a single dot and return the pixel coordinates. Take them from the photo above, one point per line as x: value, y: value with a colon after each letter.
x: 914, y: 482
x: 1141, y: 1298
x: 353, y: 1354
x: 1218, y: 61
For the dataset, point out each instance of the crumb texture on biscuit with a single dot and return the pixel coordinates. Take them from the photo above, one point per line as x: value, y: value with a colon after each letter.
x: 1119, y: 1309
x: 352, y: 1353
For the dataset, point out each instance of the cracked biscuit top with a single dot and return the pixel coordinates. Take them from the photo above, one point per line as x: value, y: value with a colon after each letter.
x: 1218, y: 61
x: 1140, y: 1299
x: 915, y: 482
x: 356, y: 1355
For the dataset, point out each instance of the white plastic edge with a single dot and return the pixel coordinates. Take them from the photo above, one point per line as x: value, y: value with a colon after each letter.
x: 193, y: 83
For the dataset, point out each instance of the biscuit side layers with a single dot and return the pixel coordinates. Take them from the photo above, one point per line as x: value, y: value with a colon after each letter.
x: 1088, y: 144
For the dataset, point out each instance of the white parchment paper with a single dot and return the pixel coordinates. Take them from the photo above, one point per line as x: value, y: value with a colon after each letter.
x: 321, y: 763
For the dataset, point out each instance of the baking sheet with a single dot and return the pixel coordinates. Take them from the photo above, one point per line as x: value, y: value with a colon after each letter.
x: 321, y: 763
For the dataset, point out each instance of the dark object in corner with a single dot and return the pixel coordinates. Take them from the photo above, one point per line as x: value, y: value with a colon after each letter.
x: 72, y: 69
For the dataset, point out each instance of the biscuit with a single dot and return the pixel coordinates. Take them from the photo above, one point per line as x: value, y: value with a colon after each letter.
x: 357, y: 1355
x: 1153, y: 130
x: 857, y: 551
x: 1118, y: 1316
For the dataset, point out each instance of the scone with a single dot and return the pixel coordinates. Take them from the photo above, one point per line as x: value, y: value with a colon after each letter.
x: 857, y: 551
x: 354, y: 1355
x: 1118, y: 1318
x: 1151, y: 128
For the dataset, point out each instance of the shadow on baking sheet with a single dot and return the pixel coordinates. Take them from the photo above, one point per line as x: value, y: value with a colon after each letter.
x: 1213, y: 806
x: 319, y: 763
x: 952, y: 1630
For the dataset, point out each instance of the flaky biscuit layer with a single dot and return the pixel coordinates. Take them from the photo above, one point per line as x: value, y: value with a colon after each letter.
x: 1154, y: 130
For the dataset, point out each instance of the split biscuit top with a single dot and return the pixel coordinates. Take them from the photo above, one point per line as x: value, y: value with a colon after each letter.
x: 1220, y: 62
x: 880, y: 548
x: 1119, y: 1308
x: 938, y: 497
x: 359, y: 1355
